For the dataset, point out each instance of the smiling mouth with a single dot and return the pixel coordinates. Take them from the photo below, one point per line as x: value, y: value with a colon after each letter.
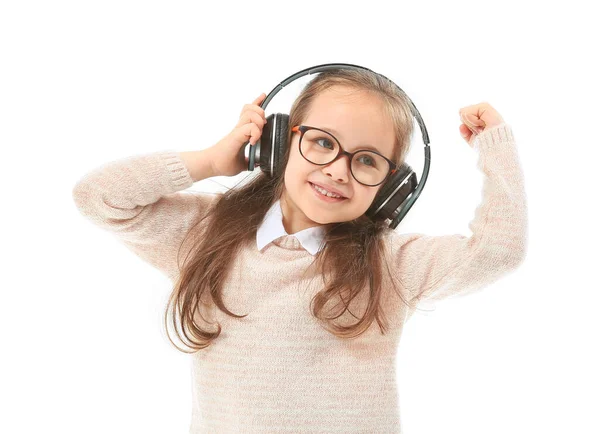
x: 340, y: 198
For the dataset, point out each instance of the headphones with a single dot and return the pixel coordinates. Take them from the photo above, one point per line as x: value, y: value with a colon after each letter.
x: 400, y: 189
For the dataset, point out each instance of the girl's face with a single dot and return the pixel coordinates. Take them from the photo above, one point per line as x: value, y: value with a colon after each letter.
x: 355, y: 118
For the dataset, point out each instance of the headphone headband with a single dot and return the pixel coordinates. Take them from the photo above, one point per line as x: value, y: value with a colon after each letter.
x: 328, y: 66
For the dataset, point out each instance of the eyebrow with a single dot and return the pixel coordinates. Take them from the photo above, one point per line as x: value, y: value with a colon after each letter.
x: 360, y: 147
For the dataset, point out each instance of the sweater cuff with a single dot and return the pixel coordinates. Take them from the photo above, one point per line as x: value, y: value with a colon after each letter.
x: 177, y: 172
x: 494, y: 136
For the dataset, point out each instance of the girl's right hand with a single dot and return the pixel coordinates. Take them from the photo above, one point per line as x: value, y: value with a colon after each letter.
x: 228, y: 154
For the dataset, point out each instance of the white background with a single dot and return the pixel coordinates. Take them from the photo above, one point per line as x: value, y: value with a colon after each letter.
x: 84, y: 83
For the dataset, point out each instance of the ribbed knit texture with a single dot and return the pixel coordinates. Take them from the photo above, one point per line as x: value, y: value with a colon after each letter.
x: 277, y: 370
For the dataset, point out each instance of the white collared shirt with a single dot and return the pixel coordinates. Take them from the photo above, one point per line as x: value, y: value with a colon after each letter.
x: 272, y: 228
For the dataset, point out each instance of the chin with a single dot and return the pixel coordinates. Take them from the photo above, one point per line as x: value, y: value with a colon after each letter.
x: 315, y: 215
x: 324, y: 218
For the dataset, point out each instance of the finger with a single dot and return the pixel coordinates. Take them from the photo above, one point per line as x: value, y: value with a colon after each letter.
x: 471, y: 123
x: 465, y: 132
x: 249, y: 133
x: 252, y: 116
x: 256, y: 103
x: 253, y: 107
x: 255, y: 133
x: 260, y: 98
x: 475, y: 120
x: 258, y: 119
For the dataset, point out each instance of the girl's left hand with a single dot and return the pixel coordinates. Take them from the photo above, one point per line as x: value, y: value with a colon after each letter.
x: 477, y: 119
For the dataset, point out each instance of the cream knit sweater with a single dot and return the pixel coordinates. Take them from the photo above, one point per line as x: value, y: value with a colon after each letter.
x: 277, y: 370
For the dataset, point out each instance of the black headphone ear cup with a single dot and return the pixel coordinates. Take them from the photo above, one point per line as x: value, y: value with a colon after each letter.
x: 272, y: 152
x: 261, y: 151
x: 393, y: 193
x: 281, y: 142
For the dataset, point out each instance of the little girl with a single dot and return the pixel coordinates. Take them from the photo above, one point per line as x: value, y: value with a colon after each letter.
x: 292, y: 301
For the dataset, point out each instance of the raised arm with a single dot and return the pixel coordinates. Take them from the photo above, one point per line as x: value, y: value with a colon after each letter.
x: 139, y: 200
x: 436, y: 267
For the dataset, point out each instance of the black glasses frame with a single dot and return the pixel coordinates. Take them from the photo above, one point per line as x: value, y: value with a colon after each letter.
x: 341, y: 152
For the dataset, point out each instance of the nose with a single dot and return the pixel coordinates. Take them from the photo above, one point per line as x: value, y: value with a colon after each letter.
x: 339, y: 169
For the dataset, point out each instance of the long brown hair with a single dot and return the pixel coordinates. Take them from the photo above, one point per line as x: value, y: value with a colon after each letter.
x: 351, y: 257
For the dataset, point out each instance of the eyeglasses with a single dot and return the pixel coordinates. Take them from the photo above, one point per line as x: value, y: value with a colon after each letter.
x: 320, y: 147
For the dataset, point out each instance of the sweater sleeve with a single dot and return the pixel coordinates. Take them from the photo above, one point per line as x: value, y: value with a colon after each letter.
x: 432, y: 268
x: 140, y: 201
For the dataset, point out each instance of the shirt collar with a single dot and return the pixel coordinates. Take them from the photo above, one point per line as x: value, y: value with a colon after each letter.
x: 272, y: 228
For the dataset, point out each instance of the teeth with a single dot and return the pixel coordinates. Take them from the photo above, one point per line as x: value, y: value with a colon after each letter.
x: 325, y: 192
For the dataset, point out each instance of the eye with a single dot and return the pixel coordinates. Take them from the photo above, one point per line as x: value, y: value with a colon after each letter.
x: 370, y: 161
x: 326, y: 141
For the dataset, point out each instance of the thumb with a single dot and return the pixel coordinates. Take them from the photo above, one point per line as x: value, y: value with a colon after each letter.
x: 466, y: 133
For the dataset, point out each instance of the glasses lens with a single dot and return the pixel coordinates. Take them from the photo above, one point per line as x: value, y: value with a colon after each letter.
x: 370, y: 168
x: 320, y: 147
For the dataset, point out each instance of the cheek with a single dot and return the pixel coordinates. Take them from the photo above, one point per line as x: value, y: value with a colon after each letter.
x: 363, y: 199
x: 295, y: 176
x: 297, y: 169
